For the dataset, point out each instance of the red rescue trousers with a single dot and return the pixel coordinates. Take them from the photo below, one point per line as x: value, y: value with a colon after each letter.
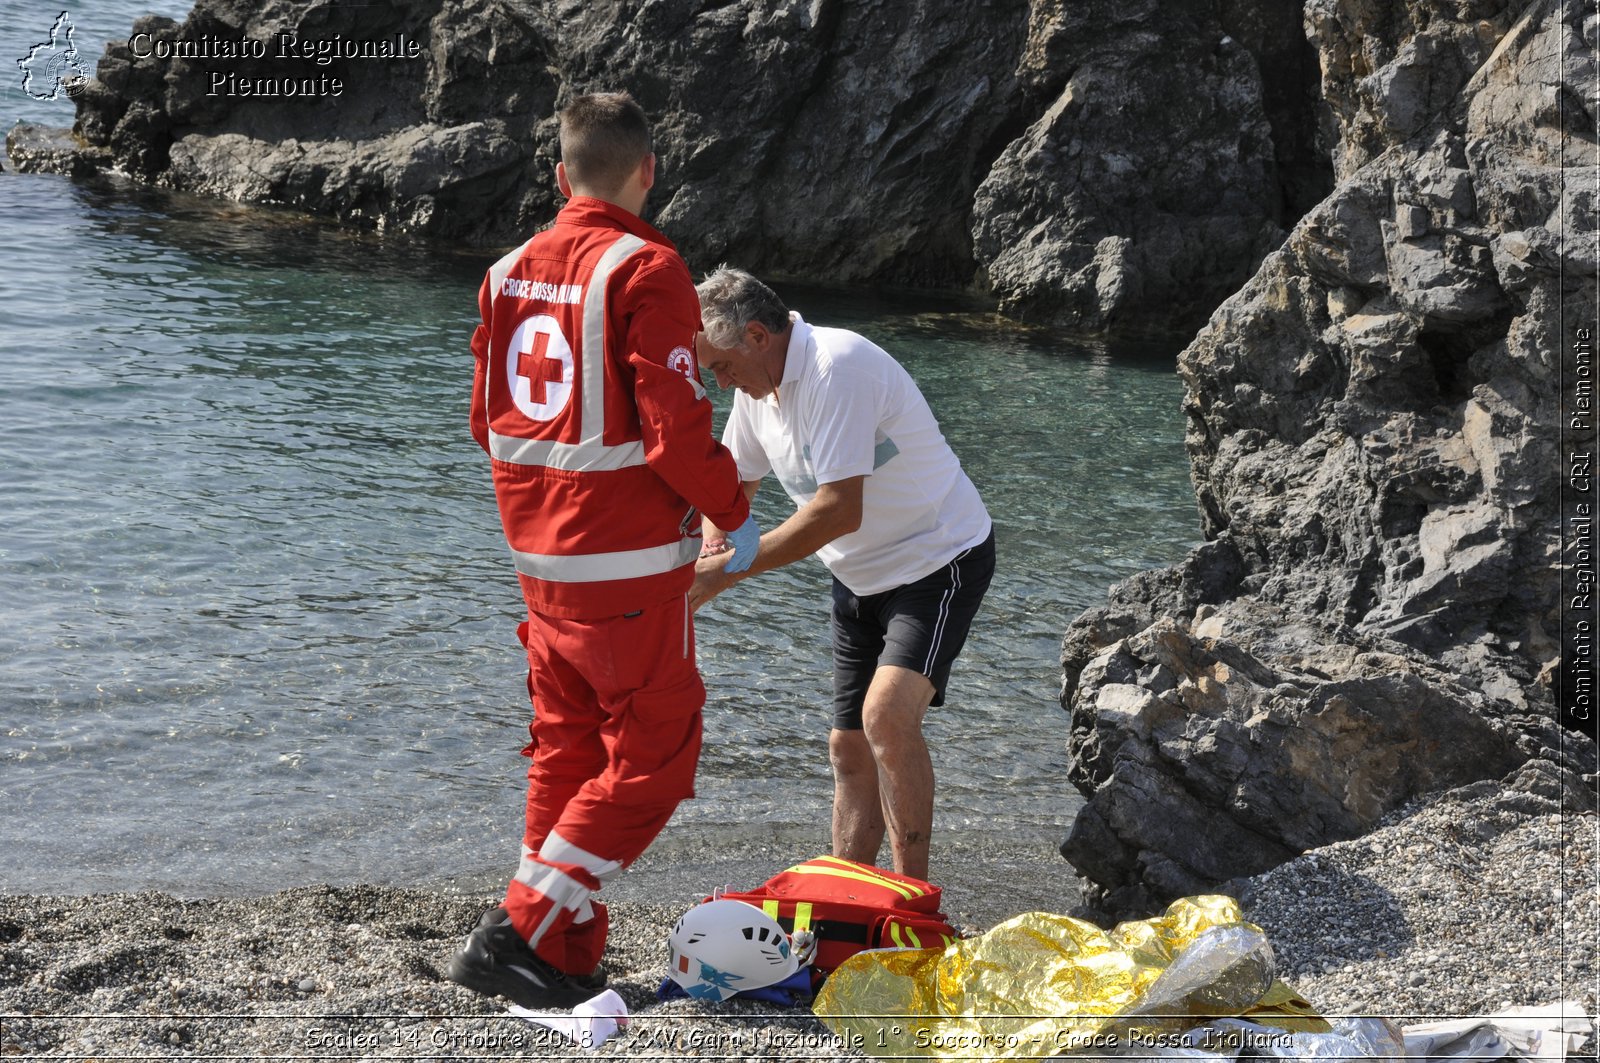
x: 616, y: 737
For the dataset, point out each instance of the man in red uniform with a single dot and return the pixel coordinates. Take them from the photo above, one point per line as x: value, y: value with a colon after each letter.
x: 587, y: 398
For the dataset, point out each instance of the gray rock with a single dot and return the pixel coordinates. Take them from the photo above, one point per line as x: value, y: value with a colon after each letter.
x: 42, y: 149
x: 1271, y: 736
x: 1374, y: 449
x: 831, y: 140
x: 1079, y: 164
x: 1389, y: 70
x: 1152, y: 177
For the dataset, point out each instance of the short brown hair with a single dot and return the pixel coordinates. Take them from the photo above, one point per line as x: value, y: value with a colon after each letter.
x: 604, y: 137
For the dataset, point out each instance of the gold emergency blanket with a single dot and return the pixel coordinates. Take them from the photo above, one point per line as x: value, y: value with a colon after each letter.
x: 1042, y: 985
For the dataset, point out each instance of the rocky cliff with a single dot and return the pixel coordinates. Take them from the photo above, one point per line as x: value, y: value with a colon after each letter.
x: 1175, y: 144
x: 1373, y: 432
x: 1097, y: 164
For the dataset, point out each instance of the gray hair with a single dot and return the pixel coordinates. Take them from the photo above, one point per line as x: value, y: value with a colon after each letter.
x: 730, y: 299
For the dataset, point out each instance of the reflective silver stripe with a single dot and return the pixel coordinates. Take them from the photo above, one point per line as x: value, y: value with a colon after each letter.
x: 530, y: 869
x: 620, y: 564
x: 557, y: 850
x: 497, y: 278
x: 590, y: 453
x: 562, y: 890
x: 499, y: 271
x: 573, y: 457
x: 593, y: 353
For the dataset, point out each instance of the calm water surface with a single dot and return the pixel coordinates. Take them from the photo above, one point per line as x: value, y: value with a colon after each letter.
x: 256, y: 617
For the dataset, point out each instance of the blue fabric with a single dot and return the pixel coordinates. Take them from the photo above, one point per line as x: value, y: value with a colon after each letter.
x: 793, y: 992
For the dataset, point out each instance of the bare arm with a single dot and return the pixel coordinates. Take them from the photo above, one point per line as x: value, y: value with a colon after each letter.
x: 835, y: 510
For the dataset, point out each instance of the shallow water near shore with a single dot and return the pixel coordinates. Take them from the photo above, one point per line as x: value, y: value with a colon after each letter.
x: 258, y: 619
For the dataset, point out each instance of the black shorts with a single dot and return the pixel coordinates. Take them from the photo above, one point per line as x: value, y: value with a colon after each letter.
x: 920, y: 626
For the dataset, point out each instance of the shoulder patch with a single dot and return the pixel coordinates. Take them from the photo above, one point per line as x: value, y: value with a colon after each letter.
x: 682, y: 359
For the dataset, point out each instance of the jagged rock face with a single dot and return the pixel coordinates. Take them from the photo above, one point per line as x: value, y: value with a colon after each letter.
x: 840, y: 141
x: 1368, y: 417
x: 1389, y: 70
x: 1163, y: 167
x: 1374, y: 436
x: 836, y: 140
x: 432, y: 144
x: 1084, y: 166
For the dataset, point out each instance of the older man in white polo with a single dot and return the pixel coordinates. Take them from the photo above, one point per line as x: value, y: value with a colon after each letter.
x: 883, y: 502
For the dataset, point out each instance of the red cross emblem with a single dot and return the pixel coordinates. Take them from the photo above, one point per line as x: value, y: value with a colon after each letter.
x: 539, y: 368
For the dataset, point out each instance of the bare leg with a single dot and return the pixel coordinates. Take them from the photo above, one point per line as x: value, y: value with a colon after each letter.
x: 857, y: 812
x: 896, y: 702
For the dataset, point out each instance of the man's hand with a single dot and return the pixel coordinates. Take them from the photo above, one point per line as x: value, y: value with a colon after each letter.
x: 710, y: 580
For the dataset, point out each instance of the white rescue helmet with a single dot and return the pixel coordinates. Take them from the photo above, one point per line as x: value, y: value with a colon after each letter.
x: 722, y: 947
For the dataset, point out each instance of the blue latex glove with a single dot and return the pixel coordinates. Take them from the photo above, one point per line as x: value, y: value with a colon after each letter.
x: 746, y: 543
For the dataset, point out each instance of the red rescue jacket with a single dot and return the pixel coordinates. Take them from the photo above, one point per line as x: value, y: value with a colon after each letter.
x: 587, y: 398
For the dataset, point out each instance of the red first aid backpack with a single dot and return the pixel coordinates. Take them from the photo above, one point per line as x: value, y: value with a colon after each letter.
x: 851, y: 907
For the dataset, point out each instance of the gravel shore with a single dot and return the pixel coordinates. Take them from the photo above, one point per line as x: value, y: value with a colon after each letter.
x: 1462, y: 905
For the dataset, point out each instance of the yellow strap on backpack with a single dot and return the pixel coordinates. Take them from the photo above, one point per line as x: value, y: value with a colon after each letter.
x: 802, y: 913
x: 854, y: 871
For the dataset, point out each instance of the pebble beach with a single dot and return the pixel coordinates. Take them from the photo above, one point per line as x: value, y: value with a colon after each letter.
x: 1460, y: 905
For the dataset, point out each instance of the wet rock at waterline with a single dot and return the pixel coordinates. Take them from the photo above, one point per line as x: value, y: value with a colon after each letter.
x: 1095, y: 167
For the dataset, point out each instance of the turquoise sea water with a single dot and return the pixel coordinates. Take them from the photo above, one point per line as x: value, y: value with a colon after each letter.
x: 256, y: 618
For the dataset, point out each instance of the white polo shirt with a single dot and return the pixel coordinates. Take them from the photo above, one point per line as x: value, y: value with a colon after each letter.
x: 846, y: 408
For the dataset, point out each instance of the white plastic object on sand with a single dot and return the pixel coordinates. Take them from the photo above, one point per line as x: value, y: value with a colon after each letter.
x: 589, y: 1025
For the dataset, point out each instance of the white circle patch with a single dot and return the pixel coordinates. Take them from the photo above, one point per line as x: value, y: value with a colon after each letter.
x: 539, y: 368
x: 682, y: 359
